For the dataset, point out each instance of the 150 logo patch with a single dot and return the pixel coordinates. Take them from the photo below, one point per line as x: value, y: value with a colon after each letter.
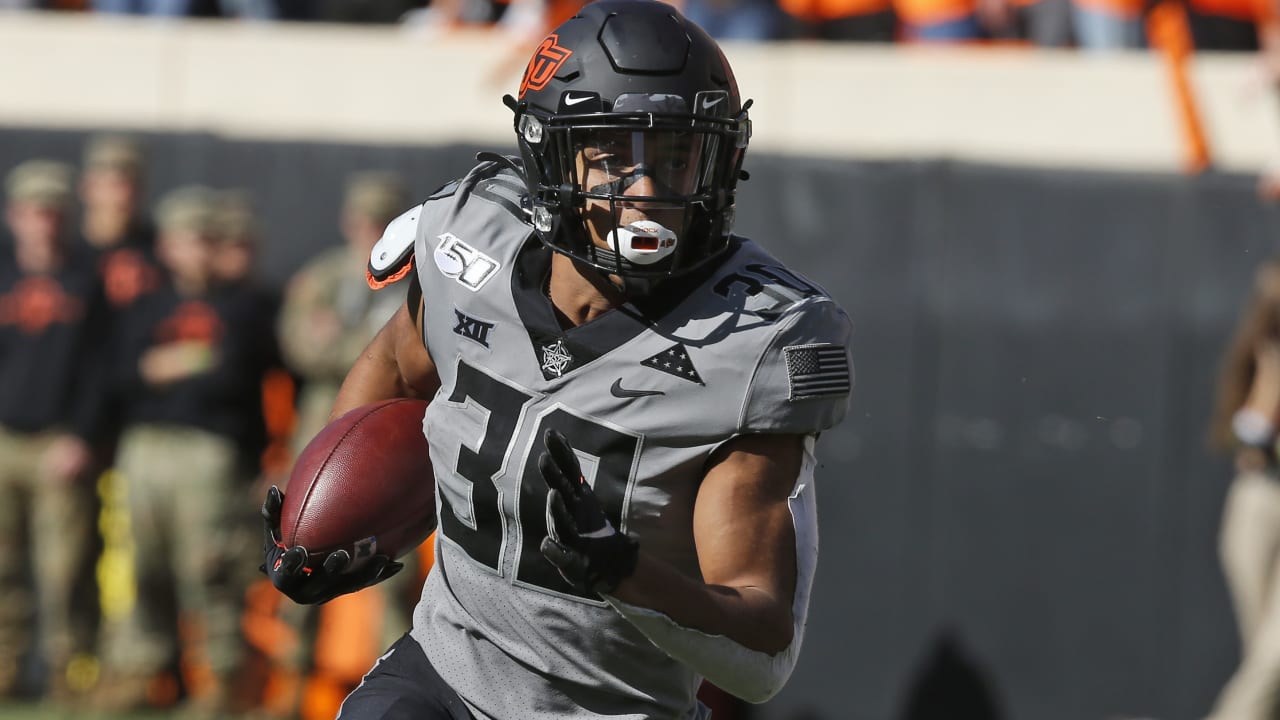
x: 464, y: 263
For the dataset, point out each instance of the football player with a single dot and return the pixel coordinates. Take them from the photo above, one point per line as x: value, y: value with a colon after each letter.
x: 625, y: 399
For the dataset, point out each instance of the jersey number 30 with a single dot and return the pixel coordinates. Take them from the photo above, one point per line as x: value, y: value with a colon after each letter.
x: 503, y: 406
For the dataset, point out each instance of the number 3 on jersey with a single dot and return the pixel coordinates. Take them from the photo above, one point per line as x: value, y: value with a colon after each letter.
x: 483, y: 468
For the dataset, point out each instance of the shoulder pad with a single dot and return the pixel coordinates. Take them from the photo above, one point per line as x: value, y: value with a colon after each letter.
x: 392, y: 256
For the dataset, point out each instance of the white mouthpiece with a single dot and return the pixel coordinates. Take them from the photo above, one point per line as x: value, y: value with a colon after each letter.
x: 643, y: 242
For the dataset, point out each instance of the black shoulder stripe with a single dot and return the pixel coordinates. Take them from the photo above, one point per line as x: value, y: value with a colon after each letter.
x: 500, y: 196
x: 509, y: 181
x: 510, y: 191
x: 445, y: 190
x: 495, y: 181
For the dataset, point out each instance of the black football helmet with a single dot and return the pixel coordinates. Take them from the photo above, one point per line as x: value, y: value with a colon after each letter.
x: 637, y: 92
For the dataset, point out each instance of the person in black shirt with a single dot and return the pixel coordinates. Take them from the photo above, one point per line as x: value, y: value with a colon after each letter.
x: 114, y: 231
x: 235, y: 262
x: 187, y: 371
x: 53, y: 327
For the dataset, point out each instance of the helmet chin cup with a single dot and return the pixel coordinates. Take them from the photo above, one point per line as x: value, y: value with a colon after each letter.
x: 643, y: 242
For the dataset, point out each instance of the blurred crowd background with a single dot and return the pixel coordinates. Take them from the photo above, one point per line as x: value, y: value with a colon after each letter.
x: 153, y: 381
x: 136, y: 342
x: 1088, y: 24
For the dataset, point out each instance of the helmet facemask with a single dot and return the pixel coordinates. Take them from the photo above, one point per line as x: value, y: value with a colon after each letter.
x: 650, y: 179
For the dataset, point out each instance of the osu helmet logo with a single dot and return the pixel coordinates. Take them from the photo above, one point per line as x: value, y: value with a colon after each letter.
x: 544, y: 65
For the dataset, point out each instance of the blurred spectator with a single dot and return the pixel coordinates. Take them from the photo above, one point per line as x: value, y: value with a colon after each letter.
x: 52, y: 334
x: 248, y: 9
x: 939, y: 21
x: 43, y: 4
x: 329, y: 312
x: 1247, y: 412
x: 746, y: 20
x: 113, y: 228
x: 235, y: 261
x: 161, y: 8
x: 117, y: 239
x: 189, y: 366
x: 1043, y: 23
x: 1107, y: 25
x: 253, y: 9
x: 364, y: 11
x: 236, y: 230
x: 854, y: 20
x: 1094, y: 25
x: 1228, y: 24
x: 330, y: 315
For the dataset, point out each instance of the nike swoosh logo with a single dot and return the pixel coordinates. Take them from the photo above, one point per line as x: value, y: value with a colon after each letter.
x: 576, y: 100
x: 618, y: 391
x: 708, y: 103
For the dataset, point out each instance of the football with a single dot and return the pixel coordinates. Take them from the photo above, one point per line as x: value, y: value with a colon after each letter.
x: 364, y: 484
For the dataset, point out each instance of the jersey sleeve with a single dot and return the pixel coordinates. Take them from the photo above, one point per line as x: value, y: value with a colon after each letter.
x: 803, y: 379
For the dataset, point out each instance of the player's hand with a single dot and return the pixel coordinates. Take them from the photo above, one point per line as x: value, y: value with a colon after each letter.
x: 288, y: 571
x: 581, y: 542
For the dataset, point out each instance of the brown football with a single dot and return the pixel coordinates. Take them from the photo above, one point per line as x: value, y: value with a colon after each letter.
x: 364, y: 483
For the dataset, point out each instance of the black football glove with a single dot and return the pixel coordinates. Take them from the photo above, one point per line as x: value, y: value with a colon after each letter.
x: 583, y: 545
x: 287, y: 566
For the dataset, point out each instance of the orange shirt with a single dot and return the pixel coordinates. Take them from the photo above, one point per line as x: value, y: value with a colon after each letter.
x: 1123, y: 8
x: 819, y: 10
x: 925, y: 12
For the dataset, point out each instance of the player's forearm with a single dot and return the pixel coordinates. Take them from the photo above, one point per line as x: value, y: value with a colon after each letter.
x: 744, y: 634
x: 750, y: 616
x: 732, y: 636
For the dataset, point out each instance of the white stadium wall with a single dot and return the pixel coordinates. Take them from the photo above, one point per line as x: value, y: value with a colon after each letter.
x: 393, y: 86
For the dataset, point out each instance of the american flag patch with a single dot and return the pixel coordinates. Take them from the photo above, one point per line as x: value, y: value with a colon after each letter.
x: 815, y: 371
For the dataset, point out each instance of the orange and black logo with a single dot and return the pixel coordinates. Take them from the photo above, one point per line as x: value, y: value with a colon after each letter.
x: 127, y: 275
x: 544, y: 65
x: 37, y: 302
x: 192, y: 321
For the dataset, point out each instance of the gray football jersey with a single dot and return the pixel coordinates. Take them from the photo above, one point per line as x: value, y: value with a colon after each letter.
x: 644, y: 397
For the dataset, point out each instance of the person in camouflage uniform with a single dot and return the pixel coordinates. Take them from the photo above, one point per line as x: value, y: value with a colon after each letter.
x: 53, y: 332
x: 188, y: 367
x: 329, y: 313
